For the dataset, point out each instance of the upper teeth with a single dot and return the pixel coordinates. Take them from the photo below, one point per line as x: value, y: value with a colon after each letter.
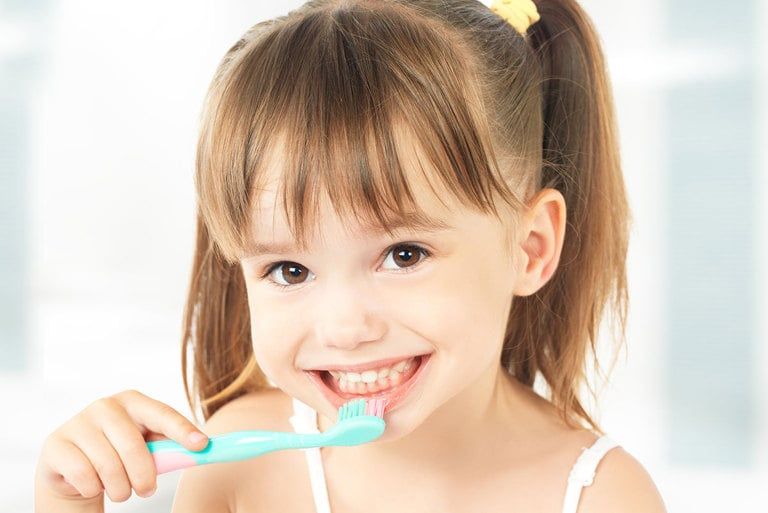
x: 371, y: 376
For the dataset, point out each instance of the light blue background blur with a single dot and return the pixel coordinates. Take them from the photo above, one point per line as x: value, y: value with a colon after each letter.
x: 99, y: 105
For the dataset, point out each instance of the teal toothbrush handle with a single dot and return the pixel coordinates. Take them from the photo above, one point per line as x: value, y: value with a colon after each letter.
x: 240, y: 445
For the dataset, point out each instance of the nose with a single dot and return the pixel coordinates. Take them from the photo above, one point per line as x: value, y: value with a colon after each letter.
x: 347, y: 317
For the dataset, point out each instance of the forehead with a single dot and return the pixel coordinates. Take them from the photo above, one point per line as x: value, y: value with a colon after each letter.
x: 433, y: 207
x: 432, y: 213
x: 365, y: 183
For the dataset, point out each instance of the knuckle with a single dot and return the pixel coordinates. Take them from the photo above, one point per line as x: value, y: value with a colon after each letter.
x: 50, y: 442
x: 120, y: 494
x: 179, y: 422
x: 110, y: 470
x: 145, y: 487
x: 166, y: 409
x: 79, y: 474
x: 75, y: 420
x: 144, y: 474
x: 93, y: 493
x: 91, y: 489
x: 135, y: 450
x: 129, y: 394
x: 103, y: 404
x: 70, y: 430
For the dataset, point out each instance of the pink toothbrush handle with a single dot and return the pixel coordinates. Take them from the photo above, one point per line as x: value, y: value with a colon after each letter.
x: 170, y: 461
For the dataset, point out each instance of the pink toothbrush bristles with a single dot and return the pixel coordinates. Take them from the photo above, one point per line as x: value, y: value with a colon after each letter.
x: 375, y: 407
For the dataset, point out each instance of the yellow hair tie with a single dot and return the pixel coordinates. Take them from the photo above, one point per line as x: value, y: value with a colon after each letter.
x: 521, y: 14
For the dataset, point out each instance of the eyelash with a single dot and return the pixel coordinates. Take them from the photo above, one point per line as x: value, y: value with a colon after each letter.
x: 420, y: 249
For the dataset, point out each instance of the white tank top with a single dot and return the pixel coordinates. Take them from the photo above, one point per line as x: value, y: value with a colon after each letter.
x: 304, y: 420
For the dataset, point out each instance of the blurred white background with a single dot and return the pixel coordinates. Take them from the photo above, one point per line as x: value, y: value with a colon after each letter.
x: 99, y: 105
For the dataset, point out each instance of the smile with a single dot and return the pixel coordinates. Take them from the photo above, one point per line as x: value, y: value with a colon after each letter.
x: 391, y: 382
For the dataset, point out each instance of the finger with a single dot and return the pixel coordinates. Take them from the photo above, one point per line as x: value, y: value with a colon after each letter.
x: 106, y: 459
x: 156, y: 416
x: 123, y: 436
x: 70, y: 473
x: 151, y: 436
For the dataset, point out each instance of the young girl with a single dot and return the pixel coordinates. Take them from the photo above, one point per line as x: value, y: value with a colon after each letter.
x: 416, y: 199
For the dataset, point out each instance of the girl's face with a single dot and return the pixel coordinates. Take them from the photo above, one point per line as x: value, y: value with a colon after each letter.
x: 361, y: 297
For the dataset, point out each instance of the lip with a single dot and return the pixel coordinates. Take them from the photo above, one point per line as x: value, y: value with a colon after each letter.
x: 364, y: 366
x: 394, y: 396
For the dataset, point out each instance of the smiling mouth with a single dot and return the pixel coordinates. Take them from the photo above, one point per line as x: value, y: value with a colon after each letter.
x: 393, y: 387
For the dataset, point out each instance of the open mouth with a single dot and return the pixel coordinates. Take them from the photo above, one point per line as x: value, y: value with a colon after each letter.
x: 393, y: 386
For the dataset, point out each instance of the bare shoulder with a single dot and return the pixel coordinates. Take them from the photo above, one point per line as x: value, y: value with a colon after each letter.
x: 212, y: 487
x: 621, y: 483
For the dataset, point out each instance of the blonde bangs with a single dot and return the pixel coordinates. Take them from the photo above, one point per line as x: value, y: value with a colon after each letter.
x: 342, y: 120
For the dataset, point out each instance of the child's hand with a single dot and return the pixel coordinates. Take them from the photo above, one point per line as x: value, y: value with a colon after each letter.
x: 104, y: 448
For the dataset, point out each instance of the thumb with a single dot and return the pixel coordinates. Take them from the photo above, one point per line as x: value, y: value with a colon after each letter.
x: 160, y: 420
x: 196, y: 440
x: 190, y: 440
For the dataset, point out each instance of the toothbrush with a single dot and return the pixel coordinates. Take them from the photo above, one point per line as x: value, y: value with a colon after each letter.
x: 359, y: 422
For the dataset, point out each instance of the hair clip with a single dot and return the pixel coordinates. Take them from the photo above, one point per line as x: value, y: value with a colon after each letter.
x: 521, y: 14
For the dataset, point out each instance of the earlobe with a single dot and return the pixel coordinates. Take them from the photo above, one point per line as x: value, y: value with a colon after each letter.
x: 543, y: 233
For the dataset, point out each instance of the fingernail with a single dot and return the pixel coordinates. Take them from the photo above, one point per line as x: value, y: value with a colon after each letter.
x: 197, y: 437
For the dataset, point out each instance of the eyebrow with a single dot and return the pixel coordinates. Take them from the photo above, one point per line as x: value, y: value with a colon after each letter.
x: 412, y: 221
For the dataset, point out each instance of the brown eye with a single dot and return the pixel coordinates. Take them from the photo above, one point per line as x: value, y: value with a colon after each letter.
x: 406, y: 255
x: 288, y: 273
x: 294, y: 273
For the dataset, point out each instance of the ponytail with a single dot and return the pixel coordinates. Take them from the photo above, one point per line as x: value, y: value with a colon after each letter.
x: 551, y: 330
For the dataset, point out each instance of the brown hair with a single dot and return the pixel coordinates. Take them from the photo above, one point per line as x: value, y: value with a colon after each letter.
x: 496, y: 114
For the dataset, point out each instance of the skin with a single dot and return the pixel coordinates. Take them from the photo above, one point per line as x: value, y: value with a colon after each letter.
x: 352, y: 305
x: 471, y: 438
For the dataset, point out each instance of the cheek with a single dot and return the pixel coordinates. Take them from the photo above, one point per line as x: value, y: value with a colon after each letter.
x: 272, y: 340
x: 460, y: 306
x: 461, y: 303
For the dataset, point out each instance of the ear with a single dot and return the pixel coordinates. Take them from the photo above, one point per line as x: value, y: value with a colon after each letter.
x: 543, y: 231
